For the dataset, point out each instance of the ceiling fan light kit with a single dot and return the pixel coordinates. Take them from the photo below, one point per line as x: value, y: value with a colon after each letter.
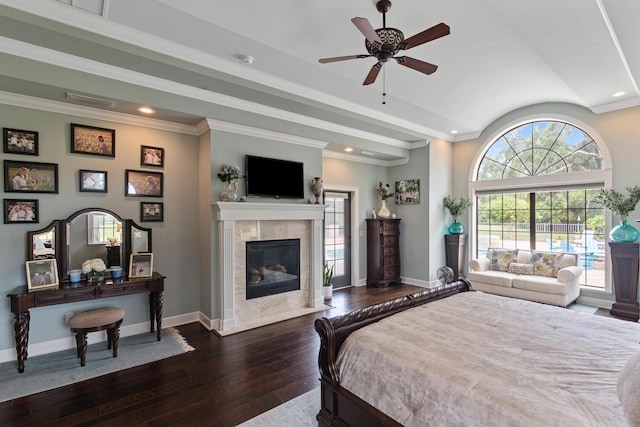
x: 385, y: 43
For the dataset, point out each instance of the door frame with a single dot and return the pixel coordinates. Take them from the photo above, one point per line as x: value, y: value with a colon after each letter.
x: 355, y: 221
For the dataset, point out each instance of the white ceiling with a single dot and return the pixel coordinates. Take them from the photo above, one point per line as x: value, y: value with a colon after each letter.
x: 501, y: 55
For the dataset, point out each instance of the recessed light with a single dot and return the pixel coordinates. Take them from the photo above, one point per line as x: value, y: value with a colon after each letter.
x: 348, y: 149
x: 146, y: 110
x: 618, y: 94
x: 454, y: 132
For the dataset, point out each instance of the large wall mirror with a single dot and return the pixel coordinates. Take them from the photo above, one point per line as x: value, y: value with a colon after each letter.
x: 86, y: 234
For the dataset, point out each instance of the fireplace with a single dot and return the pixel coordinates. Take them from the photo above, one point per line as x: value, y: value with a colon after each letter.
x: 273, y: 267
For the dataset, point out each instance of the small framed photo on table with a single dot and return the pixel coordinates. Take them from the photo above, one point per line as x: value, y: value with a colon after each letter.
x: 20, y: 211
x: 93, y: 140
x: 93, y: 181
x: 17, y: 141
x: 140, y: 265
x: 42, y: 275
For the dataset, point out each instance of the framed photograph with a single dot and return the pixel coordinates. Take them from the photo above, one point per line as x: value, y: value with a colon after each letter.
x: 151, y: 156
x: 19, y: 141
x: 19, y: 211
x: 30, y: 177
x: 42, y: 274
x: 93, y: 181
x: 93, y: 140
x: 408, y: 192
x: 140, y: 265
x: 143, y: 183
x: 151, y: 212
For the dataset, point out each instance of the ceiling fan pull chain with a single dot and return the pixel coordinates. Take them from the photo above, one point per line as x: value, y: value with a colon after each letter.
x: 384, y: 86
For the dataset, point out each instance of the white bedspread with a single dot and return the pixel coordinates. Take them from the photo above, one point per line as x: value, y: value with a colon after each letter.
x: 476, y: 359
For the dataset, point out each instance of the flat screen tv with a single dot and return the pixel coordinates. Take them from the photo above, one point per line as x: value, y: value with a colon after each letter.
x: 274, y: 178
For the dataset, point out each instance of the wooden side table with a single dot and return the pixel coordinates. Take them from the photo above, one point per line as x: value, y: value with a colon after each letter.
x: 624, y: 264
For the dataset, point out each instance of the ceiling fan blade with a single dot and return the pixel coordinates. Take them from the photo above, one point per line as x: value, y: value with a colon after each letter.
x: 367, y: 30
x: 341, y: 58
x: 371, y: 77
x: 416, y: 64
x: 427, y: 35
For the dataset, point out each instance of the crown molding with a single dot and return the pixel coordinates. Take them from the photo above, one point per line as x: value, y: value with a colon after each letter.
x: 366, y: 160
x: 211, y: 124
x: 92, y: 113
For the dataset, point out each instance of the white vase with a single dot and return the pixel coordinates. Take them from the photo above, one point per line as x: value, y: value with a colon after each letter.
x: 384, y: 211
x: 231, y: 192
x: 327, y: 291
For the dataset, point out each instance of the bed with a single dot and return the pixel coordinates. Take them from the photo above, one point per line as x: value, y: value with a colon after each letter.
x: 451, y: 356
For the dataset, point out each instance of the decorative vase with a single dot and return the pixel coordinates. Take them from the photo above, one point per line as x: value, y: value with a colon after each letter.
x: 624, y: 233
x: 327, y: 291
x: 316, y: 186
x: 456, y: 227
x: 384, y: 211
x: 231, y: 193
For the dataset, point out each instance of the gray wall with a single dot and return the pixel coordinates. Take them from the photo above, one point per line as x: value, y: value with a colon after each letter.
x: 175, y: 254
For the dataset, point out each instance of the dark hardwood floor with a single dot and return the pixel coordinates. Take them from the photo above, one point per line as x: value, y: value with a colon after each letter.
x: 224, y: 382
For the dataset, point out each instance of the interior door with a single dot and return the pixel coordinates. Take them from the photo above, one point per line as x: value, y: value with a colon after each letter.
x: 337, y: 238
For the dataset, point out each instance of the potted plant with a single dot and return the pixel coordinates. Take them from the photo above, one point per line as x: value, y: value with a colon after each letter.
x: 456, y: 207
x: 622, y: 206
x: 327, y: 275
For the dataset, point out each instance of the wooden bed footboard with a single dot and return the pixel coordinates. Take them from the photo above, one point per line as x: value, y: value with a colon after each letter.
x: 339, y: 407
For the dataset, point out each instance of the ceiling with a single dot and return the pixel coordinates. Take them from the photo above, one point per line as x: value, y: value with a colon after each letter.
x: 183, y: 58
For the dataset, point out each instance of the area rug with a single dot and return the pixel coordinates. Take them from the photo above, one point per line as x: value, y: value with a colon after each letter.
x: 298, y: 412
x: 53, y: 370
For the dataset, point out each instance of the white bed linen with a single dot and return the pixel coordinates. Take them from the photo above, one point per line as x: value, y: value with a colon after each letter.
x: 477, y: 359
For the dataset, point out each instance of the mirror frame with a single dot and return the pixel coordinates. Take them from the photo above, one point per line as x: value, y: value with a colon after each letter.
x: 59, y: 226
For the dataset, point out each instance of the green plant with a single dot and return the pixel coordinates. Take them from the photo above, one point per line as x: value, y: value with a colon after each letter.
x: 327, y: 274
x: 617, y: 203
x: 456, y: 207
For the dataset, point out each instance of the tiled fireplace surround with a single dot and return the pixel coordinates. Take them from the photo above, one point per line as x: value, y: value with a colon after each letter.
x: 239, y: 222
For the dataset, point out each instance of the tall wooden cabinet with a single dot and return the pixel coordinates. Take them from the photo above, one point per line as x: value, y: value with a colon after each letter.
x: 624, y: 264
x: 383, y: 252
x: 455, y: 246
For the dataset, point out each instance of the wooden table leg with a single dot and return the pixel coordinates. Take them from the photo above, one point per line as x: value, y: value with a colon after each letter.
x: 155, y: 311
x: 21, y: 329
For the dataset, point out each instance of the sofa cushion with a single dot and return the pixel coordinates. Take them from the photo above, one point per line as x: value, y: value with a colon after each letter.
x: 519, y: 268
x: 497, y: 278
x: 547, y: 285
x: 546, y: 263
x: 501, y: 258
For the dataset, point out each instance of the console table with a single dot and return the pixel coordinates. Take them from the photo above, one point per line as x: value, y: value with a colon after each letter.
x: 22, y: 301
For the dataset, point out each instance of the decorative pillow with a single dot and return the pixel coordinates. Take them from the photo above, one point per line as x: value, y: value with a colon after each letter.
x: 518, y: 268
x: 546, y: 263
x: 501, y: 258
x: 629, y: 389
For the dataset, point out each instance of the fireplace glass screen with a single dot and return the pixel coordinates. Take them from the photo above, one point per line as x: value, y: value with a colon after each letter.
x: 273, y: 267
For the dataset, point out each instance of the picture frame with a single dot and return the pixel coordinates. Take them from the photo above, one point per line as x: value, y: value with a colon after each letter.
x: 42, y: 274
x: 139, y: 183
x: 151, y: 212
x: 21, y: 211
x: 92, y: 181
x: 18, y: 141
x: 151, y: 156
x: 30, y: 177
x: 408, y: 192
x: 140, y: 265
x: 93, y: 140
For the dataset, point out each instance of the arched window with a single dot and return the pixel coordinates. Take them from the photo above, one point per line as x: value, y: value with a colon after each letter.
x: 533, y: 189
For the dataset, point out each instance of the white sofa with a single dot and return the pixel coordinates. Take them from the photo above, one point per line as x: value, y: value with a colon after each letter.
x: 546, y: 277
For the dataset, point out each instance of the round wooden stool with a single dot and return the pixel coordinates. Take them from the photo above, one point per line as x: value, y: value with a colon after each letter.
x: 95, y: 320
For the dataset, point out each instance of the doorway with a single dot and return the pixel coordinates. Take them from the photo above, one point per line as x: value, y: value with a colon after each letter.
x: 337, y: 236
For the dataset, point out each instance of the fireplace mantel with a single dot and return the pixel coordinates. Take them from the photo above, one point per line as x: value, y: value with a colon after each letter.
x: 227, y: 215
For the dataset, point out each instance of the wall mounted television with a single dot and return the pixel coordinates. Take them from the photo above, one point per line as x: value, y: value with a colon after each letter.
x: 266, y: 177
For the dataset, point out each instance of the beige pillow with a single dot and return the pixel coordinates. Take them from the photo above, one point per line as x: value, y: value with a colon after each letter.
x: 519, y: 268
x: 629, y: 389
x: 501, y: 258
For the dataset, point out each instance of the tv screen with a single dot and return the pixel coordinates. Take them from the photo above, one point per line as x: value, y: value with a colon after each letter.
x: 274, y: 178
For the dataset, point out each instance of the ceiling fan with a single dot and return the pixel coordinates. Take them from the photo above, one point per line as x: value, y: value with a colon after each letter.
x: 384, y: 43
